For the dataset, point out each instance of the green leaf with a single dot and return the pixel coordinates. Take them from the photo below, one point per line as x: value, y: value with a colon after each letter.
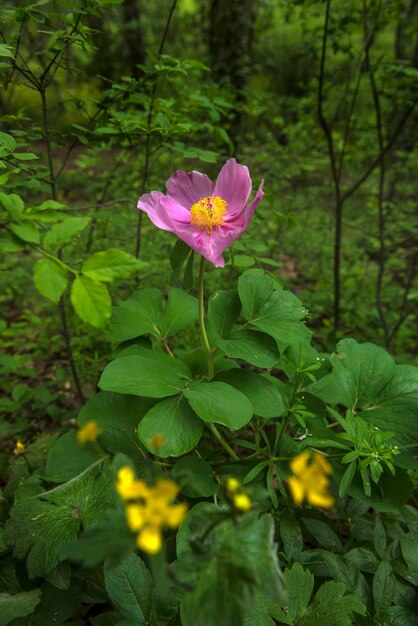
x: 263, y: 395
x: 50, y: 279
x: 299, y: 585
x: 129, y: 586
x: 254, y: 347
x: 195, y: 476
x: 366, y: 379
x: 91, y: 301
x: 117, y: 417
x: 111, y: 264
x: 223, y: 310
x: 331, y: 607
x: 347, y: 479
x: 384, y: 587
x: 226, y: 566
x: 323, y: 534
x: 144, y: 313
x: 409, y: 548
x: 220, y: 403
x: 364, y: 559
x: 63, y: 233
x: 40, y: 525
x: 67, y: 458
x: 174, y: 420
x: 291, y: 535
x: 153, y: 375
x: 180, y: 311
x: 6, y: 51
x: 7, y: 141
x: 10, y: 243
x: 275, y: 312
x: 12, y: 203
x: 26, y: 231
x: 139, y: 315
x: 17, y: 605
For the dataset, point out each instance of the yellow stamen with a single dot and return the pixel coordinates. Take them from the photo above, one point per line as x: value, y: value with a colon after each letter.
x: 208, y: 213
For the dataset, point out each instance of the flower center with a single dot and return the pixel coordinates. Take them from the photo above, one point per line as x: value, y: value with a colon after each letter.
x: 208, y: 213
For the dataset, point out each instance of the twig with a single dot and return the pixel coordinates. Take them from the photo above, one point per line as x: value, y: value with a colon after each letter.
x: 148, y: 138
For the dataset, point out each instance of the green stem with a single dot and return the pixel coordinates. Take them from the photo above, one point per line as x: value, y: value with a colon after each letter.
x: 57, y: 260
x: 222, y: 441
x: 205, y: 341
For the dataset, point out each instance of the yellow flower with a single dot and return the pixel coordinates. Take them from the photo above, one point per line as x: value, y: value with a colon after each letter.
x: 128, y: 487
x: 19, y: 448
x: 242, y: 502
x: 310, y: 480
x: 232, y: 485
x: 152, y: 510
x: 89, y: 432
x: 157, y: 441
x: 150, y: 540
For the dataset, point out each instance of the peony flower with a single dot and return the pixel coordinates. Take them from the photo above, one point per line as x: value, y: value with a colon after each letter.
x: 206, y: 216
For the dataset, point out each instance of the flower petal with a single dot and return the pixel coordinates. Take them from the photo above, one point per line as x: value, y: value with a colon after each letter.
x: 188, y: 187
x: 150, y: 203
x: 233, y: 185
x: 177, y: 214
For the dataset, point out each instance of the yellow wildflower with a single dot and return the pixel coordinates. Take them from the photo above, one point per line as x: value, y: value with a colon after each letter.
x: 128, y: 487
x: 89, y: 432
x: 310, y: 480
x: 157, y: 441
x: 232, y: 485
x: 242, y: 502
x: 19, y: 448
x: 152, y: 510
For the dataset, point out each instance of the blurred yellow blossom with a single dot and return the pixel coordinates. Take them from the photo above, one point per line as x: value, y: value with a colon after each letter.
x: 19, y: 448
x: 240, y: 500
x: 89, y: 432
x: 310, y: 480
x: 152, y: 510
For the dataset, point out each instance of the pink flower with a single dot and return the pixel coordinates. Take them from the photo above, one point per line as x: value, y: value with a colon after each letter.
x: 206, y: 216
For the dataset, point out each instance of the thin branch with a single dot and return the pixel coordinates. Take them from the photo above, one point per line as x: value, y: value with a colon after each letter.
x: 145, y: 173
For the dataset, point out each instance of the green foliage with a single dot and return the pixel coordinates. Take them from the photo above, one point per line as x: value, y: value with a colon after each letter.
x: 224, y: 389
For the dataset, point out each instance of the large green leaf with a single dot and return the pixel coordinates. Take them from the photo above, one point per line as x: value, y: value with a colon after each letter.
x: 67, y: 458
x: 63, y: 233
x: 251, y: 346
x: 110, y: 264
x: 41, y: 524
x: 195, y: 476
x: 27, y: 231
x: 225, y: 566
x: 330, y: 606
x: 179, y: 311
x: 271, y: 310
x: 139, y: 315
x: 223, y: 310
x: 220, y: 403
x: 366, y: 379
x: 144, y: 313
x: 129, y: 586
x: 170, y: 428
x: 11, y: 201
x: 153, y: 376
x: 91, y: 301
x: 50, y: 279
x: 263, y: 395
x: 117, y: 417
x: 17, y: 605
